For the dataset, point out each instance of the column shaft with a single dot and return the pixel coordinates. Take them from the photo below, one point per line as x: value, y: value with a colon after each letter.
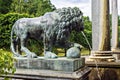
x: 114, y: 24
x: 104, y: 36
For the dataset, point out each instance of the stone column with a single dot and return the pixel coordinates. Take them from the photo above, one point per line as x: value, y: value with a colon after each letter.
x: 100, y: 25
x: 115, y: 36
x: 95, y: 24
x: 100, y: 31
x: 104, y: 33
x: 114, y: 40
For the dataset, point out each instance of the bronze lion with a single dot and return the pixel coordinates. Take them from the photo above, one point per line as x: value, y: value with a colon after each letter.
x: 53, y: 28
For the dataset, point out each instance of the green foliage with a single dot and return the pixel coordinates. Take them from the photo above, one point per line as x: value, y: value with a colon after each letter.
x: 118, y: 20
x: 5, y: 6
x: 6, y: 63
x: 34, y: 7
x: 79, y: 38
x: 35, y: 46
x: 6, y: 22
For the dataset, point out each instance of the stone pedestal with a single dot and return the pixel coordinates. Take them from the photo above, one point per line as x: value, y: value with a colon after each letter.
x: 58, y: 64
x: 33, y: 74
x: 51, y: 69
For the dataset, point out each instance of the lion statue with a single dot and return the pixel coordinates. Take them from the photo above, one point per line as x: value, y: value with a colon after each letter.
x: 53, y: 28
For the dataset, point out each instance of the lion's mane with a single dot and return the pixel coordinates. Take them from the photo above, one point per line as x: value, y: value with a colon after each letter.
x: 70, y: 18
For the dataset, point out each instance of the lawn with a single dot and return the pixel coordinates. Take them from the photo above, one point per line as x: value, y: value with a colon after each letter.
x: 61, y: 52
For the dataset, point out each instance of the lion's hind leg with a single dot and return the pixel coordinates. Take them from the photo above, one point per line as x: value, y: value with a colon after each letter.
x: 23, y: 40
x: 14, y: 47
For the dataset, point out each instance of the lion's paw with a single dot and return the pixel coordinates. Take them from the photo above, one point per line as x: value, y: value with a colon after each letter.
x: 17, y: 55
x: 32, y: 55
x: 49, y: 54
x: 73, y: 52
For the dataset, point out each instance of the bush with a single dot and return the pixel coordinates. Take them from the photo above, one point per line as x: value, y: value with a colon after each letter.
x: 6, y: 63
x: 6, y: 22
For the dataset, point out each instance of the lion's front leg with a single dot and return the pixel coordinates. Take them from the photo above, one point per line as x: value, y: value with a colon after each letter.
x: 48, y: 50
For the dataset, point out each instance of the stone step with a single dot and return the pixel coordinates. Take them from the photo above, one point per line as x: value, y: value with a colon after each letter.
x: 101, y: 58
x: 106, y: 52
x: 102, y: 54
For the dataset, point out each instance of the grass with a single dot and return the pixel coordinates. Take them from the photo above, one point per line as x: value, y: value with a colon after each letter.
x: 60, y: 51
x: 84, y: 52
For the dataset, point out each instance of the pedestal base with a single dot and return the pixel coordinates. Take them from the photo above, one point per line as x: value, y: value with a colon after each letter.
x: 32, y: 74
x: 51, y: 69
x: 58, y: 64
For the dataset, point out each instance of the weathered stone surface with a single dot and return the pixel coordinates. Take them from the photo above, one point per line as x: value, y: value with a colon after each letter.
x: 105, y: 74
x: 34, y: 74
x: 95, y: 24
x: 59, y: 64
x: 100, y: 23
x: 115, y: 35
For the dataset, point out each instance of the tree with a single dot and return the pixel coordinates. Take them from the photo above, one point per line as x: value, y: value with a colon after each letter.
x: 87, y: 23
x: 79, y: 38
x: 35, y: 7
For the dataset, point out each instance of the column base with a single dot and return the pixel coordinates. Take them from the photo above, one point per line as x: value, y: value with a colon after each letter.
x: 116, y: 53
x: 101, y: 56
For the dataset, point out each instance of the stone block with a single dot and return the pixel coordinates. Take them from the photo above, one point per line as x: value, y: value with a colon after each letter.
x: 58, y: 64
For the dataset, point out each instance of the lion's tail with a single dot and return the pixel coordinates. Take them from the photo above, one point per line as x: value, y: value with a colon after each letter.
x: 13, y: 41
